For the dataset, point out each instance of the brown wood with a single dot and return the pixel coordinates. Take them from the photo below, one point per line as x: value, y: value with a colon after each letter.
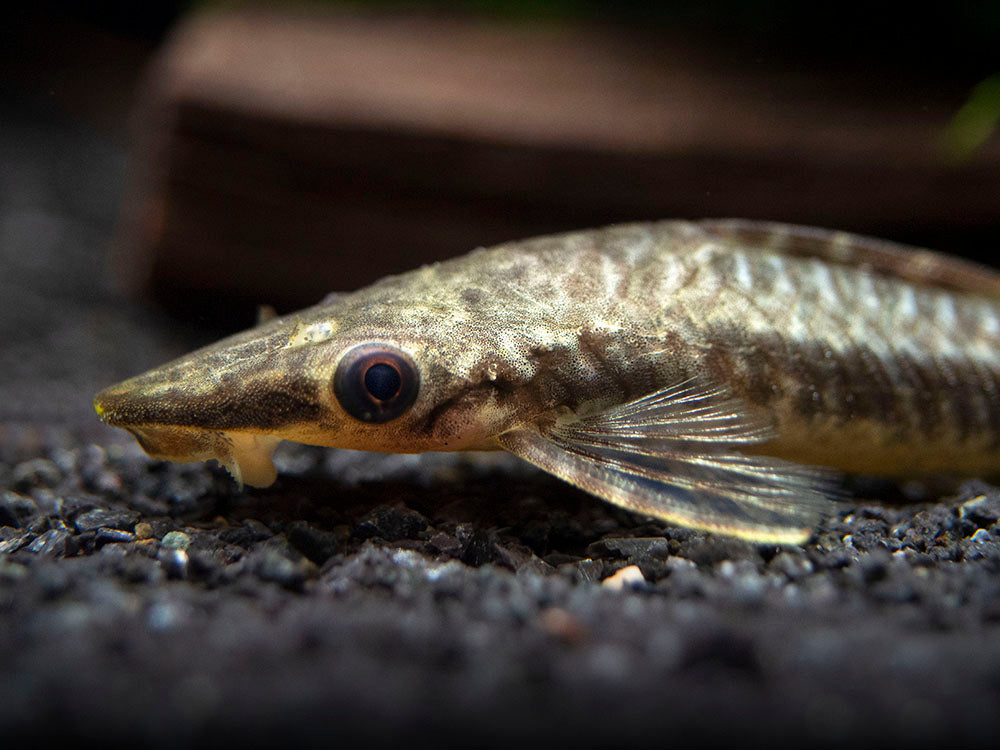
x: 279, y: 157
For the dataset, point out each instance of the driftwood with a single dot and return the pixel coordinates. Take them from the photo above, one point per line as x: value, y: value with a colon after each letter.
x: 279, y: 157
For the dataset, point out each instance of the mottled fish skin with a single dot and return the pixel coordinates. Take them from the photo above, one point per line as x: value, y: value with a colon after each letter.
x: 860, y: 371
x: 855, y: 354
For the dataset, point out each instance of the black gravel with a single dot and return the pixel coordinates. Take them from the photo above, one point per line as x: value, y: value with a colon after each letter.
x: 449, y: 599
x: 152, y: 601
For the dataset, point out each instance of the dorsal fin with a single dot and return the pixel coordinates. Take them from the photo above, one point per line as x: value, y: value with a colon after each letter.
x: 913, y: 264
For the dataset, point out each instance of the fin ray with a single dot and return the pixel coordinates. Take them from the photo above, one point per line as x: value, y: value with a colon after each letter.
x: 655, y: 456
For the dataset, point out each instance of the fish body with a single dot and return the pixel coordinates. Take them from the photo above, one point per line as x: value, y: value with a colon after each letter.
x: 701, y: 372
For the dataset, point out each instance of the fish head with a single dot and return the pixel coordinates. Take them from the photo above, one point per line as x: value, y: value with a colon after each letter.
x: 411, y: 364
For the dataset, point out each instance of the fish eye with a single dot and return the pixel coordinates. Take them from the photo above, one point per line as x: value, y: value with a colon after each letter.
x: 376, y: 382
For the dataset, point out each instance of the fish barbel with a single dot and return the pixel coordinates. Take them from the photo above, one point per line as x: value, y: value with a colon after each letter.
x: 716, y: 374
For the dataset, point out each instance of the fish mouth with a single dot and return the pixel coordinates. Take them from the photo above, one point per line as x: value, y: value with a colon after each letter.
x: 245, y: 455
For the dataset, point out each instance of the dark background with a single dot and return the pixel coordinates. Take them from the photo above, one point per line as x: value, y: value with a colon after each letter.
x: 452, y: 599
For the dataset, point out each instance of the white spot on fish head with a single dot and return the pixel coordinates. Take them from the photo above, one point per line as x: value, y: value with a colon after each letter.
x: 311, y: 334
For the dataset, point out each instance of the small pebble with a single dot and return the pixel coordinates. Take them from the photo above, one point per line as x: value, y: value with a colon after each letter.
x: 587, y: 570
x: 445, y: 543
x: 14, y: 542
x: 981, y: 536
x: 37, y: 472
x: 630, y: 576
x: 174, y: 562
x: 480, y: 549
x: 981, y: 510
x: 563, y: 626
x: 161, y: 526
x: 316, y: 544
x: 16, y: 509
x: 257, y: 529
x: 104, y: 518
x: 175, y: 540
x: 113, y: 536
x: 631, y: 548
x: 392, y: 523
x: 271, y: 565
x: 52, y: 542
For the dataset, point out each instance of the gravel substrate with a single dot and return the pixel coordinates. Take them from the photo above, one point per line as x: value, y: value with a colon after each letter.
x: 463, y: 597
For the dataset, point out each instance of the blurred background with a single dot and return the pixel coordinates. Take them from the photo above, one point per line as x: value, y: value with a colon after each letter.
x: 165, y: 167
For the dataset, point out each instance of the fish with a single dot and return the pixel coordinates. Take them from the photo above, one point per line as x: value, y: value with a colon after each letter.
x: 722, y: 374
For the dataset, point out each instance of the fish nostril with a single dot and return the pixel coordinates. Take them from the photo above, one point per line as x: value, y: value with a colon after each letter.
x: 101, y: 406
x: 109, y: 405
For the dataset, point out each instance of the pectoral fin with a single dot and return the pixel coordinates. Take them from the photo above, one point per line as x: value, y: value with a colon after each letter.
x: 673, y: 455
